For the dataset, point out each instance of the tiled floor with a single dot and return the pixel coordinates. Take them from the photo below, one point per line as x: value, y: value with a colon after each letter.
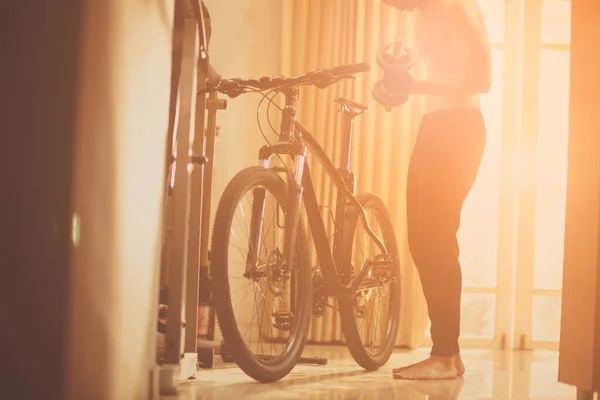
x: 490, y: 375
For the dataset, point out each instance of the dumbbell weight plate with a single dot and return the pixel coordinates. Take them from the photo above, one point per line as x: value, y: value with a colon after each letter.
x: 386, y: 99
x: 395, y: 63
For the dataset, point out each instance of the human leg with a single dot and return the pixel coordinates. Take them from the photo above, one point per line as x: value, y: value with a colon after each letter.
x: 443, y: 167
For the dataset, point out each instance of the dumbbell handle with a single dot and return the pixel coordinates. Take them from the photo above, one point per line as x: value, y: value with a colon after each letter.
x: 399, y: 60
x: 398, y: 47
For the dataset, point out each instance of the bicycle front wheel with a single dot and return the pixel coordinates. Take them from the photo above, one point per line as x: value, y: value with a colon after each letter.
x: 371, y: 317
x: 262, y: 310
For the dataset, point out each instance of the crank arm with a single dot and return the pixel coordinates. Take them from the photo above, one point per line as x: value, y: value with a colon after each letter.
x: 351, y: 288
x: 369, y: 284
x: 359, y: 281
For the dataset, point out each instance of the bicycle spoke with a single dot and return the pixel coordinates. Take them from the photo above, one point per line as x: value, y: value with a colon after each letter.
x: 370, y: 303
x: 269, y: 297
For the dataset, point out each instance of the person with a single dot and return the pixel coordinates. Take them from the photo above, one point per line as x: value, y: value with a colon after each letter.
x: 452, y: 39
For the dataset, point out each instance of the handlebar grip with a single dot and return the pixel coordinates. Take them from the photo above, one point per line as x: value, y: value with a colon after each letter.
x: 351, y: 69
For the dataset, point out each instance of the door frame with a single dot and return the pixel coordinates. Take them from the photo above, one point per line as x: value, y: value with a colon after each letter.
x: 525, y: 290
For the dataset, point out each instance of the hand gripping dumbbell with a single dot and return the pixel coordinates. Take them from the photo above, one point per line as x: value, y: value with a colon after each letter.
x: 396, y: 61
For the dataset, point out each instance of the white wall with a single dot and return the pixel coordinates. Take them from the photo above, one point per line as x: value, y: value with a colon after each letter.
x: 245, y: 43
x: 118, y: 172
x: 121, y: 123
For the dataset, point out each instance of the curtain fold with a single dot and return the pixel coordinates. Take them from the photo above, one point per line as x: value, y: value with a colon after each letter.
x: 320, y: 34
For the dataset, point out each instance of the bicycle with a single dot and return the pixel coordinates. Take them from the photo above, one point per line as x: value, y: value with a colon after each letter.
x: 289, y: 272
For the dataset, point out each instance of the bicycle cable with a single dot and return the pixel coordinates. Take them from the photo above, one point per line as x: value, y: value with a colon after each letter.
x: 271, y: 101
x: 268, y: 113
x: 265, y: 96
x: 276, y: 91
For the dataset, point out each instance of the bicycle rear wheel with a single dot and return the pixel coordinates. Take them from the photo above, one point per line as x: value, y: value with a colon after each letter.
x: 279, y: 326
x: 371, y: 317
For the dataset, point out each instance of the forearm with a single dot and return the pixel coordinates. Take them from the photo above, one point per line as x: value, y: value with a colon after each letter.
x: 448, y: 87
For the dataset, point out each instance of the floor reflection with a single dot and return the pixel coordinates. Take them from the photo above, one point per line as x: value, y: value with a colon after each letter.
x: 490, y: 375
x: 440, y: 390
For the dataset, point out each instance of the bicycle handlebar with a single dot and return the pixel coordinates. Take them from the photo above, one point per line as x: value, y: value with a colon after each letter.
x: 320, y: 78
x: 351, y: 69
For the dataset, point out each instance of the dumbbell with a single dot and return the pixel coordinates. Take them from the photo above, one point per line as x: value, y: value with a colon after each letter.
x: 396, y: 61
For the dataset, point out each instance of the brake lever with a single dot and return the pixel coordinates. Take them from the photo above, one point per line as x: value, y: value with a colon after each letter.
x: 235, y: 92
x: 229, y: 87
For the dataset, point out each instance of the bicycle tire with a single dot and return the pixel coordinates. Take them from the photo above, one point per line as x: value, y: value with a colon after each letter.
x: 367, y: 360
x: 261, y: 370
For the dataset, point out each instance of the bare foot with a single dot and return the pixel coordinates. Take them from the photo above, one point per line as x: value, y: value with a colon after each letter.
x: 458, y: 363
x: 432, y: 368
x: 397, y: 370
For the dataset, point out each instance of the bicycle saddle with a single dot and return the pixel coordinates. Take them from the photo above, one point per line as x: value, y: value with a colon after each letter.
x: 352, y: 104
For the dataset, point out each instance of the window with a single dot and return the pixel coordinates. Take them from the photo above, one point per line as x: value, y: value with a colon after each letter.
x: 556, y: 22
x: 478, y: 234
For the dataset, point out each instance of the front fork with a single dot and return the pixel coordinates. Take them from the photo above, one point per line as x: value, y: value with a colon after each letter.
x: 292, y: 217
x: 256, y: 224
x: 286, y: 145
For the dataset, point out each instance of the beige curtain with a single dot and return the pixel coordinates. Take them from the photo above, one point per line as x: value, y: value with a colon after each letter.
x: 326, y: 33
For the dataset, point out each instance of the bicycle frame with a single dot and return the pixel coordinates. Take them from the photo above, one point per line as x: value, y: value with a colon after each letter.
x: 343, y: 179
x: 294, y: 141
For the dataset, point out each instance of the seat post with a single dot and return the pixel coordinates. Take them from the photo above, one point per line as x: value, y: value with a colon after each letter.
x: 348, y: 116
x: 350, y: 110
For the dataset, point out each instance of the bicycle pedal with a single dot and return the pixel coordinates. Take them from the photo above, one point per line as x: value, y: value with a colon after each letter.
x: 282, y: 321
x: 382, y: 268
x: 390, y: 258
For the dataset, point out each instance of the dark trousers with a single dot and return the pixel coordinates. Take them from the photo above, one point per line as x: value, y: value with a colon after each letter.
x: 443, y: 167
